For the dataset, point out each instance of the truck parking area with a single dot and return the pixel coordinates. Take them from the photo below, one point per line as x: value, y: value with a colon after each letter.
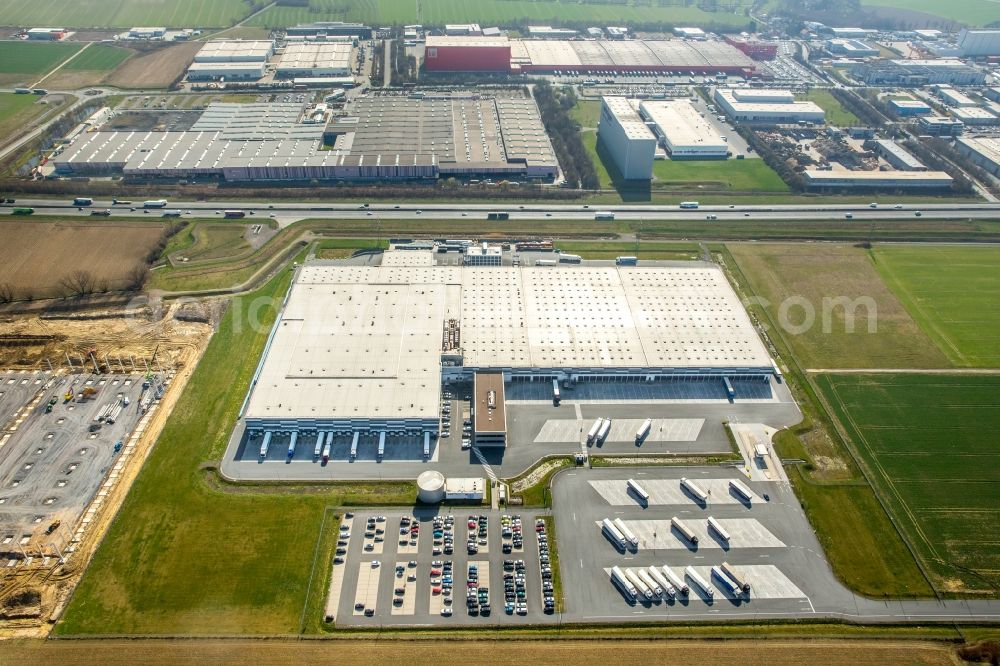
x: 765, y: 540
x: 395, y: 568
x: 54, y: 459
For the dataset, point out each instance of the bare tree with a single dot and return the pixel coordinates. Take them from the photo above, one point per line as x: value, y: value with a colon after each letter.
x: 6, y: 292
x: 78, y: 283
x: 136, y: 277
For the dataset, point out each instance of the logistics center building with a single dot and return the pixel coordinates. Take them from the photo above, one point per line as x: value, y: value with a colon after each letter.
x: 365, y: 349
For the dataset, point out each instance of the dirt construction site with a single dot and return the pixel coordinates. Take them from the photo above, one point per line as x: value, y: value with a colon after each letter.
x: 83, y: 396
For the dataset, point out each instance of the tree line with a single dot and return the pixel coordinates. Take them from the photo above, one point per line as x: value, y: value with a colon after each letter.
x: 564, y: 133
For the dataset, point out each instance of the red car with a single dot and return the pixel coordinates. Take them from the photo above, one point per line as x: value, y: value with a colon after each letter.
x: 435, y: 572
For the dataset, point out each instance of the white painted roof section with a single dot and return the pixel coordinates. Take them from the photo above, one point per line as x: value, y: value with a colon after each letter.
x: 682, y: 125
x: 628, y: 118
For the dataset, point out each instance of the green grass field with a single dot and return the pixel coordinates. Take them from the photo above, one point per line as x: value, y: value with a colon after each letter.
x: 98, y: 58
x: 126, y: 13
x: 15, y: 111
x: 747, y: 175
x: 186, y: 556
x: 836, y: 114
x: 953, y: 293
x: 490, y: 12
x: 24, y: 62
x: 928, y: 443
x: 796, y: 278
x: 972, y: 12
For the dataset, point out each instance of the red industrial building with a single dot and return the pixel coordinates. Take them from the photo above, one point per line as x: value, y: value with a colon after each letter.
x: 467, y: 54
x: 755, y: 49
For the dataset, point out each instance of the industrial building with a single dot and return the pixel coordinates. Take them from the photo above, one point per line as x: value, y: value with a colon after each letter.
x: 940, y: 126
x: 500, y: 54
x: 691, y: 33
x: 483, y: 255
x: 755, y: 48
x: 982, y: 151
x: 382, y: 138
x: 627, y: 139
x: 47, y: 34
x: 905, y: 108
x: 331, y: 28
x: 851, y: 48
x: 972, y: 115
x: 897, y: 156
x: 766, y: 106
x: 683, y: 131
x: 548, y: 32
x: 918, y: 72
x: 366, y: 349
x: 953, y: 97
x: 229, y: 71
x: 463, y: 30
x: 147, y: 33
x: 235, y: 50
x: 883, y: 180
x: 851, y: 33
x: 434, y: 488
x: 978, y: 43
x: 315, y: 59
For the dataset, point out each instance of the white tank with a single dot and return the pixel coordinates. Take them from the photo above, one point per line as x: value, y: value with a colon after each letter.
x: 430, y: 487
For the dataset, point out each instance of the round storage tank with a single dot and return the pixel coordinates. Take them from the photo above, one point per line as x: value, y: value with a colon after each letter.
x: 430, y: 487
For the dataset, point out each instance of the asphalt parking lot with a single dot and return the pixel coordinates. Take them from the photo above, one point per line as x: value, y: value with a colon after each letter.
x: 769, y: 542
x: 16, y: 389
x: 54, y: 462
x: 365, y: 595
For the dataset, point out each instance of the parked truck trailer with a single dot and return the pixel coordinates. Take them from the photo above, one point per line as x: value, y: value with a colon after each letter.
x: 613, y: 534
x: 694, y: 489
x: 594, y: 429
x: 623, y: 583
x: 638, y: 583
x: 662, y: 581
x: 633, y: 487
x: 676, y: 580
x: 737, y: 575
x: 650, y: 583
x: 265, y: 445
x: 699, y: 582
x: 643, y: 431
x: 627, y: 533
x: 718, y: 529
x: 740, y: 489
x: 602, y: 434
x: 684, y: 529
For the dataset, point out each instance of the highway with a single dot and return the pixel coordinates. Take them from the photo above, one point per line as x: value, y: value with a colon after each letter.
x: 286, y: 212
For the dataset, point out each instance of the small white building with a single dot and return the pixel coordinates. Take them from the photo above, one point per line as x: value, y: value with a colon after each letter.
x: 691, y: 33
x: 972, y: 115
x: 483, y: 255
x: 465, y: 488
x: 626, y: 137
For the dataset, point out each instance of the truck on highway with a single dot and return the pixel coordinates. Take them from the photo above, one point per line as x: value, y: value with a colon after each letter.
x: 234, y: 213
x: 687, y: 205
x: 594, y: 429
x: 623, y: 583
x: 614, y: 534
x: 22, y: 91
x: 675, y: 580
x: 22, y: 211
x: 545, y: 262
x: 627, y: 260
x: 155, y: 203
x: 638, y: 583
x: 700, y: 582
x: 627, y: 533
x: 604, y: 215
x: 684, y: 529
x: 102, y: 212
x: 719, y: 529
x: 121, y: 202
x: 740, y: 489
x: 736, y: 575
x: 694, y: 489
x: 726, y: 581
x: 570, y: 258
x: 498, y: 215
x: 644, y: 576
x: 171, y: 212
x: 83, y: 201
x: 662, y: 581
x: 643, y: 431
x: 633, y: 487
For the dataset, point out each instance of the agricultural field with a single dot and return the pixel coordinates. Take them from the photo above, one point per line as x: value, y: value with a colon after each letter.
x: 26, y: 62
x: 927, y: 444
x: 971, y: 12
x: 802, y: 275
x: 15, y: 112
x: 952, y: 292
x: 89, y: 68
x: 492, y: 12
x: 36, y: 257
x: 127, y: 13
x: 179, y: 556
x: 751, y: 175
x: 836, y: 114
x: 158, y: 68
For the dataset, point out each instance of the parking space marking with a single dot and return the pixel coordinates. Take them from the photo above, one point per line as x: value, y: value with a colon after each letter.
x: 367, y: 592
x: 409, y: 605
x: 337, y: 578
x: 622, y: 430
x: 743, y: 533
x: 665, y: 492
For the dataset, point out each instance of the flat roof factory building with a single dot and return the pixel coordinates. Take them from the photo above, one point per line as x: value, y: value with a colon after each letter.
x: 466, y: 54
x: 884, y: 180
x: 766, y: 106
x: 983, y: 151
x: 683, y: 131
x: 365, y: 349
x: 315, y: 59
x: 626, y: 137
x: 235, y: 50
x: 332, y: 28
